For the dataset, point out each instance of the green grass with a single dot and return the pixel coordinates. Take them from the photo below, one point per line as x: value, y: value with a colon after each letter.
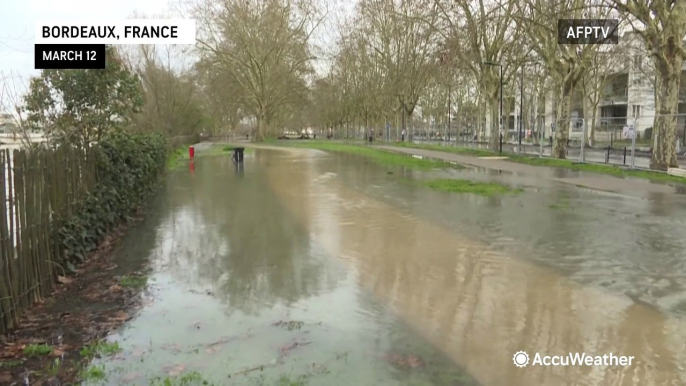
x: 191, y: 378
x: 53, y: 368
x: 382, y: 157
x: 93, y: 374
x: 465, y: 186
x: 101, y: 348
x: 176, y: 156
x: 37, y: 350
x: 10, y: 364
x: 559, y: 205
x: 556, y: 163
x: 133, y: 281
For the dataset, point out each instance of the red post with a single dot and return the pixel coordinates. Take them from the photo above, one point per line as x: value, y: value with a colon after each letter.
x: 192, y: 167
x: 191, y: 152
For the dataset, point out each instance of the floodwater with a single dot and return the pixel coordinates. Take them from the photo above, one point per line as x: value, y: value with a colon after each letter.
x: 327, y: 269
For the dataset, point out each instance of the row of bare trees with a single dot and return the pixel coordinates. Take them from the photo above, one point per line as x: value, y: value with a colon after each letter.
x: 392, y: 60
x: 396, y: 55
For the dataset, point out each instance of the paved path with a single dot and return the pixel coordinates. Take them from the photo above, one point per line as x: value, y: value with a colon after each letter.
x: 632, y: 187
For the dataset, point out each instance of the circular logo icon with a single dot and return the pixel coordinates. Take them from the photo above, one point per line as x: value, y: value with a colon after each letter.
x: 520, y: 359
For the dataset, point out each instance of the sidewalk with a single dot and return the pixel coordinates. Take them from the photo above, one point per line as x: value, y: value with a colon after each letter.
x: 631, y: 187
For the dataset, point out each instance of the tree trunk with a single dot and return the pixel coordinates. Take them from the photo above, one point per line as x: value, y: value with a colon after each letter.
x: 666, y: 108
x: 261, y: 131
x: 594, y: 118
x: 564, y: 107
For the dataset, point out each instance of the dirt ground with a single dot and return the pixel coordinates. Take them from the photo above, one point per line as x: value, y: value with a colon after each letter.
x: 84, y: 308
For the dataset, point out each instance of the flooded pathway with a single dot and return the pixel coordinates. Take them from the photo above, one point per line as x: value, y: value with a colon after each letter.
x: 325, y: 269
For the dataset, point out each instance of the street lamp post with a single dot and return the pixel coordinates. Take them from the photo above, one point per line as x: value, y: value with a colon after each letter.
x: 501, y: 101
x: 521, y: 109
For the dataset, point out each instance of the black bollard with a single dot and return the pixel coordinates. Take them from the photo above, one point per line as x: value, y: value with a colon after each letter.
x: 624, y: 155
x: 238, y: 154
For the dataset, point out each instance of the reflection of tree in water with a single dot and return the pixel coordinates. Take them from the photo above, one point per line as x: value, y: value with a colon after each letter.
x: 233, y: 235
x: 414, y: 360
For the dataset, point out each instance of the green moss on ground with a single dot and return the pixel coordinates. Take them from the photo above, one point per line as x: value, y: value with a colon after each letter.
x: 467, y: 186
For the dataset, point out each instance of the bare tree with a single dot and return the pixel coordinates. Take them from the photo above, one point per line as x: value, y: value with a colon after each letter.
x: 404, y: 44
x: 482, y: 37
x: 12, y: 88
x: 566, y: 63
x: 263, y: 46
x: 662, y: 26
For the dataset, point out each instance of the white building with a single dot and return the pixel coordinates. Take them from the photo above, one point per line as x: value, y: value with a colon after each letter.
x: 627, y: 100
x: 7, y: 123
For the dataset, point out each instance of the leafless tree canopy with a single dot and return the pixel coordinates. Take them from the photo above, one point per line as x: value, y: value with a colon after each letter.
x: 319, y: 65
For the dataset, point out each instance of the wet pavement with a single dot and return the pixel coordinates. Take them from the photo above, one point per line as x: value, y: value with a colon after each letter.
x: 329, y: 269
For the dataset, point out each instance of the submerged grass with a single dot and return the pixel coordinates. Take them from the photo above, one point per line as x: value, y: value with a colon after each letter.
x: 616, y: 171
x: 8, y: 364
x: 175, y: 157
x: 93, y: 374
x: 467, y: 186
x: 133, y: 281
x: 101, y: 348
x: 37, y: 350
x: 382, y: 157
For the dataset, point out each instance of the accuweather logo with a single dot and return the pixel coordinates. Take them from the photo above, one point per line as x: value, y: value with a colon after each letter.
x: 521, y: 359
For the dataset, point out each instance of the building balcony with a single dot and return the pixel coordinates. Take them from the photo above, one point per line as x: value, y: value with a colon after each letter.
x: 620, y: 98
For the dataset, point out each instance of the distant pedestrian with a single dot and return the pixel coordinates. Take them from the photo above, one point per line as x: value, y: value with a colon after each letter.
x: 403, y: 135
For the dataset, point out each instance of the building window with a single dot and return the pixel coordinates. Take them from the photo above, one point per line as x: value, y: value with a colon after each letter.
x: 637, y: 111
x: 638, y: 62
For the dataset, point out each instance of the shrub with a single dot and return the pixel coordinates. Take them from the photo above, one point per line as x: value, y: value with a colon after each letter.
x: 127, y: 167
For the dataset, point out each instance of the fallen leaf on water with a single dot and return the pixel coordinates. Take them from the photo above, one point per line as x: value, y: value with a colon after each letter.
x: 64, y: 280
x: 172, y: 347
x: 115, y: 287
x: 120, y: 316
x: 138, y: 352
x: 173, y: 371
x: 131, y: 376
x: 57, y: 352
x: 213, y: 349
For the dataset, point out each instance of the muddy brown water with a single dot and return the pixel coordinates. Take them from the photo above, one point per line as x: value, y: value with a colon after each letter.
x: 386, y: 282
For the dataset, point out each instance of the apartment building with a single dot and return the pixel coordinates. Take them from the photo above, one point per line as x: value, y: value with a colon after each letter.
x: 628, y: 99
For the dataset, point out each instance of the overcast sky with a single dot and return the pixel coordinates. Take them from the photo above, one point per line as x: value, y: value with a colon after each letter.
x: 18, y: 17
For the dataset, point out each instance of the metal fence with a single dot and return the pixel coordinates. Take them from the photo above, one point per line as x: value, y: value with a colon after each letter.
x: 625, y: 141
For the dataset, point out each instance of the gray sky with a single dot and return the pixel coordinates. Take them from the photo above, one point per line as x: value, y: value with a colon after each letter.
x: 18, y: 17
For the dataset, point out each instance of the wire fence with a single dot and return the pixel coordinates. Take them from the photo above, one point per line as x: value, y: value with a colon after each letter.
x: 40, y: 189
